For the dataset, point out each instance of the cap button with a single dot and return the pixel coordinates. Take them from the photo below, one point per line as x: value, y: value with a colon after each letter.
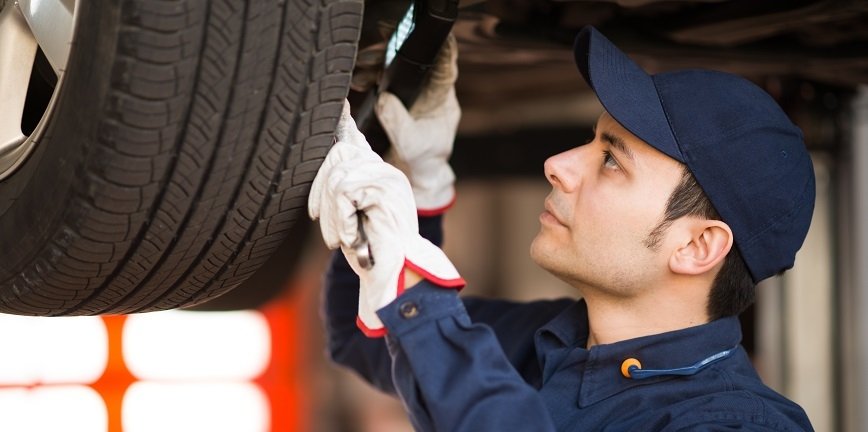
x: 408, y: 309
x: 627, y: 366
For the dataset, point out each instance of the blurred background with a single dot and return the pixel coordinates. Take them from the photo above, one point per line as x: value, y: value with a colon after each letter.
x: 264, y: 367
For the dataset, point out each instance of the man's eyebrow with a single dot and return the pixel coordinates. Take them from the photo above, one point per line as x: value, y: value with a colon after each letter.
x: 618, y: 144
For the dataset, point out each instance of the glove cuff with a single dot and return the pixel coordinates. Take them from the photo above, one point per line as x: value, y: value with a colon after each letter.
x: 372, y: 333
x: 433, y: 189
x: 367, y: 320
x: 428, y: 261
x: 449, y: 281
x: 428, y: 211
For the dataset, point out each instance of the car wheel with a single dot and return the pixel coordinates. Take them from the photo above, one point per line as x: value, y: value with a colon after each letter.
x: 153, y: 154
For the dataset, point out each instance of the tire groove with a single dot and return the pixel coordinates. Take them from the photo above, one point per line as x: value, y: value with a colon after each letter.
x: 131, y: 252
x: 234, y: 197
x: 159, y: 215
x: 250, y: 160
x: 207, y: 172
x: 249, y: 244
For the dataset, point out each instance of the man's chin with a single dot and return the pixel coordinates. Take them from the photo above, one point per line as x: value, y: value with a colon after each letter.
x: 547, y: 257
x: 534, y: 249
x: 541, y: 254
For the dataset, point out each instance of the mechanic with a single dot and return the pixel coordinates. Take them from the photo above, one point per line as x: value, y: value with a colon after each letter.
x: 695, y: 187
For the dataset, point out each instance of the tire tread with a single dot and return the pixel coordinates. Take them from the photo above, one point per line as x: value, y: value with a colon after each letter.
x: 185, y: 194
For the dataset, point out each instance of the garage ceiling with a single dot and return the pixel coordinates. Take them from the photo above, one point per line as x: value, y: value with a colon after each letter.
x: 516, y: 67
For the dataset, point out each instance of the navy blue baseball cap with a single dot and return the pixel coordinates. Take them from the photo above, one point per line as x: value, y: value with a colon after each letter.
x: 745, y: 153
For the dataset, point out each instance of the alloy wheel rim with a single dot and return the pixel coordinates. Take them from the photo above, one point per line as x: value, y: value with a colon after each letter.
x: 32, y: 33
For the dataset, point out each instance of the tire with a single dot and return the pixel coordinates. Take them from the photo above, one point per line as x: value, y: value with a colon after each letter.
x: 271, y: 280
x: 178, y: 155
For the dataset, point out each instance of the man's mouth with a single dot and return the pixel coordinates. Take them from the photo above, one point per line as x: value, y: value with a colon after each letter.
x: 550, y: 215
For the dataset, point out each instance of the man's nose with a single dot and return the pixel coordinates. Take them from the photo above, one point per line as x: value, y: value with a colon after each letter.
x: 562, y: 170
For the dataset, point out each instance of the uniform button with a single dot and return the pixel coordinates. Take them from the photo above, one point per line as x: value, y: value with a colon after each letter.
x: 628, y: 366
x: 409, y: 309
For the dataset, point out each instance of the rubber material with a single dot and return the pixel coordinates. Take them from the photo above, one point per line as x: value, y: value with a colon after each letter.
x: 273, y: 279
x: 180, y: 153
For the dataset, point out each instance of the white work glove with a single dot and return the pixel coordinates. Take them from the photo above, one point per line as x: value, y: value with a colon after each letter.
x: 423, y: 137
x: 352, y: 178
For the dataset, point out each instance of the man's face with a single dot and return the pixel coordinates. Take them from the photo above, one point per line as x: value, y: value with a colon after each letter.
x: 606, y: 197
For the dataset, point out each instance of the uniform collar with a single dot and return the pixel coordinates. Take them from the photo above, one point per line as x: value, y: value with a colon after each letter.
x: 601, y: 373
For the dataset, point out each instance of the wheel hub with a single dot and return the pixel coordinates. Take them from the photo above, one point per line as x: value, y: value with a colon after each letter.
x: 27, y: 27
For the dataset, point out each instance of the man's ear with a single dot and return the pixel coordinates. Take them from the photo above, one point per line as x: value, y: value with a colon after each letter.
x: 709, y: 243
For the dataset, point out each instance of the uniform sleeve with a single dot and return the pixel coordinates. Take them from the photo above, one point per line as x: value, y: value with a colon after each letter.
x: 740, y: 410
x: 347, y: 345
x: 740, y: 425
x: 511, y: 324
x: 451, y: 374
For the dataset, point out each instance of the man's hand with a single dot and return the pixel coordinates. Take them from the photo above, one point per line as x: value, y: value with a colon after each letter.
x: 423, y: 136
x: 354, y: 178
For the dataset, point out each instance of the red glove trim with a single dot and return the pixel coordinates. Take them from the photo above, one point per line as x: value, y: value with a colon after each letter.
x: 437, y: 211
x: 380, y: 332
x: 456, y: 283
x: 371, y: 333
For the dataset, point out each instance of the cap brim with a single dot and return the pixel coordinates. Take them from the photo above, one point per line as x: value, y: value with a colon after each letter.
x: 626, y: 92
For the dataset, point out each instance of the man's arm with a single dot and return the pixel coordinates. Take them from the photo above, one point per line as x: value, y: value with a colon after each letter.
x: 465, y: 380
x: 451, y: 374
x: 347, y: 345
x: 514, y: 324
x: 352, y: 178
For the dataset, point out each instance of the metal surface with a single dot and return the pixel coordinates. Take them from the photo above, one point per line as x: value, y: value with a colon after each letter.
x: 17, y: 52
x: 50, y: 21
x: 361, y: 245
x: 516, y: 61
x: 25, y: 26
x: 733, y: 31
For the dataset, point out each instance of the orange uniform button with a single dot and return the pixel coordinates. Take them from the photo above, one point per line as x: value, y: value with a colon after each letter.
x: 628, y: 364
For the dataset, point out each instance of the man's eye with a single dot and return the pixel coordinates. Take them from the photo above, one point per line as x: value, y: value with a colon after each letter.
x: 609, y: 161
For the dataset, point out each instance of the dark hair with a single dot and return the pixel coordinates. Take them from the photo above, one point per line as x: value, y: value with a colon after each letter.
x: 733, y: 289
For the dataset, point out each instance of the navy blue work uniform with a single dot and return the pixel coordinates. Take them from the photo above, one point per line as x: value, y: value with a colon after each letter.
x: 486, y: 365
